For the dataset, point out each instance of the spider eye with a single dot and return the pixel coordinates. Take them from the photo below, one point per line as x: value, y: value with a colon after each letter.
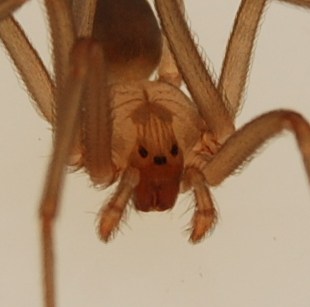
x: 174, y: 150
x: 143, y: 152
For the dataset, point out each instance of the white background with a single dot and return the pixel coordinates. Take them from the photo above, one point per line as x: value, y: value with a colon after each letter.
x: 258, y: 254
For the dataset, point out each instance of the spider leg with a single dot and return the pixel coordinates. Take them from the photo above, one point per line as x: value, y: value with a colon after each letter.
x: 168, y: 70
x: 83, y: 16
x: 240, y: 147
x: 236, y: 64
x: 63, y: 36
x: 195, y: 74
x: 8, y: 6
x: 205, y: 214
x: 111, y: 214
x: 97, y: 123
x: 66, y: 128
x: 29, y: 65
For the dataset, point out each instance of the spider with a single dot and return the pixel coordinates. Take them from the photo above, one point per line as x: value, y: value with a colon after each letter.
x: 207, y: 149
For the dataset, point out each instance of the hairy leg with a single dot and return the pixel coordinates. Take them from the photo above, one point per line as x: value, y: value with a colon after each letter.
x: 66, y: 128
x: 63, y: 36
x: 241, y: 146
x: 96, y: 120
x: 194, y: 71
x: 37, y: 80
x: 236, y: 64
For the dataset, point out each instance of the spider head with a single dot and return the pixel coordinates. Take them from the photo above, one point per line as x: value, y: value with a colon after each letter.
x: 159, y: 160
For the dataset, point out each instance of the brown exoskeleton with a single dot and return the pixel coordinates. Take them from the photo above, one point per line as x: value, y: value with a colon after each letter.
x: 163, y: 146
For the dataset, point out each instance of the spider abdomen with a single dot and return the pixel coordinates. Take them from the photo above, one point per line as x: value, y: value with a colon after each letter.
x: 130, y: 36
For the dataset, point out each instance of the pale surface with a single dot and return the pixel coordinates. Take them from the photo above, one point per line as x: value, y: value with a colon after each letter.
x: 259, y: 252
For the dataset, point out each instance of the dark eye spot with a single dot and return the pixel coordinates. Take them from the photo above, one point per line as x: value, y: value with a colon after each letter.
x: 174, y: 150
x: 143, y: 152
